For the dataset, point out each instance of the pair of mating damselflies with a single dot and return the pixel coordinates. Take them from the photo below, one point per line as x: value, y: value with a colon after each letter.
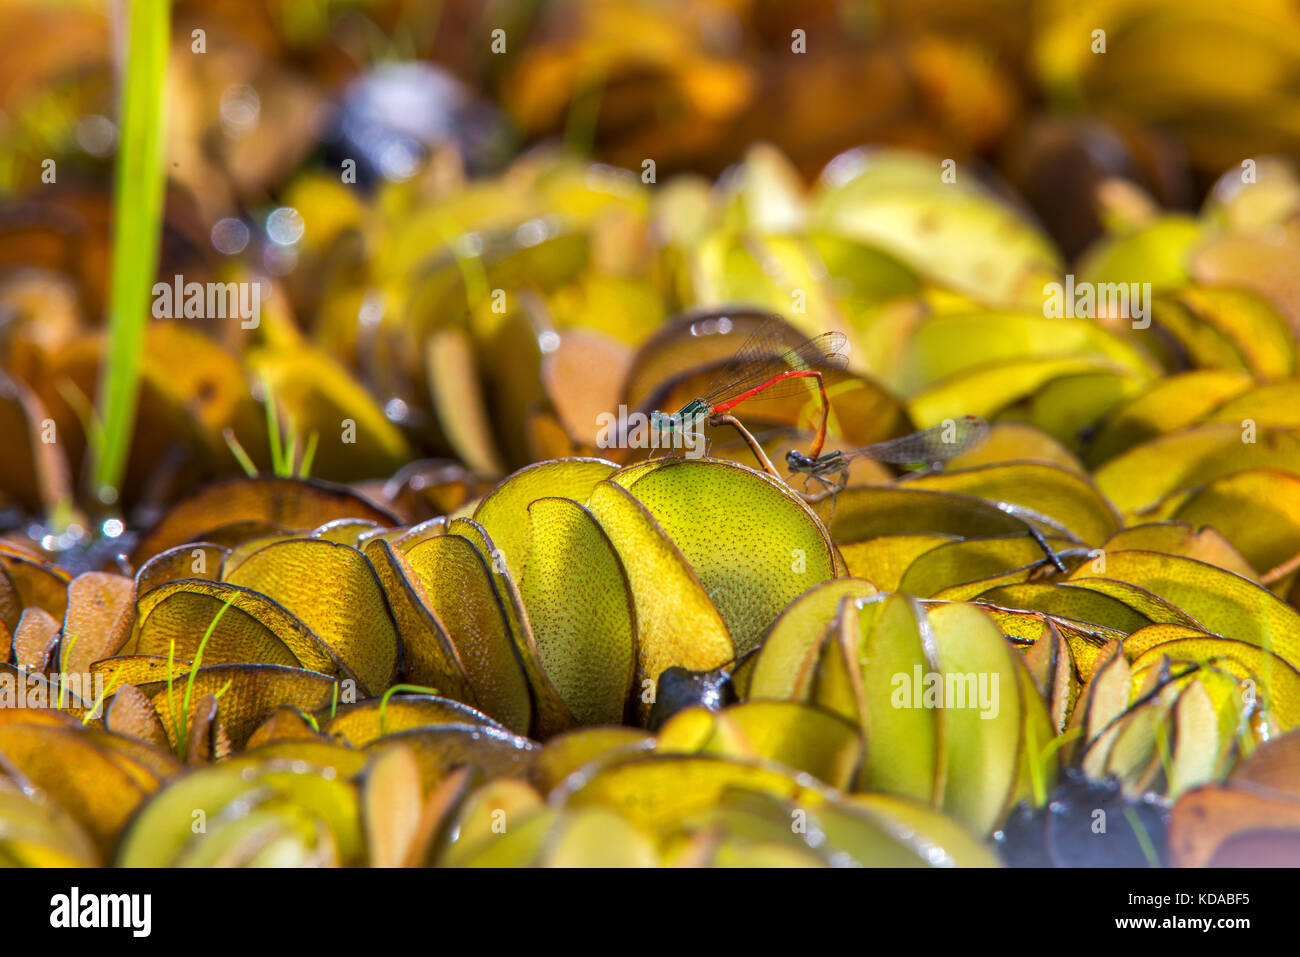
x: 766, y: 367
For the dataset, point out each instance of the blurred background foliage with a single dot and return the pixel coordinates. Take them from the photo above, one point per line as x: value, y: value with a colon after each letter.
x: 474, y: 173
x: 591, y: 208
x: 1183, y: 89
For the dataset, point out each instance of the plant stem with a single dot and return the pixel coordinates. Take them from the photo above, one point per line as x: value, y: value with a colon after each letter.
x: 183, y: 724
x: 308, y: 456
x: 138, y: 209
x: 237, y: 450
x: 396, y: 689
x: 273, y: 429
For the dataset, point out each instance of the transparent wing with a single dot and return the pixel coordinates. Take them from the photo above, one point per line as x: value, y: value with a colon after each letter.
x: 766, y: 354
x: 937, y: 444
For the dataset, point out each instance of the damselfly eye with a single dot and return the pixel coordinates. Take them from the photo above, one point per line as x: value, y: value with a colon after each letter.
x: 797, y: 461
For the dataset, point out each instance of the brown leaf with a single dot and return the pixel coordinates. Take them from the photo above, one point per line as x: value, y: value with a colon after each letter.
x: 131, y: 713
x: 38, y: 583
x: 284, y: 724
x: 436, y: 817
x: 101, y: 607
x: 207, y: 740
x: 195, y: 560
x: 288, y: 503
x: 391, y: 799
x: 34, y: 639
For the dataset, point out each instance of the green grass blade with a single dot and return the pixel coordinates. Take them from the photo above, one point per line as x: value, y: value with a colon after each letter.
x: 1143, y: 838
x: 171, y: 708
x: 137, y: 226
x: 273, y: 428
x: 291, y: 451
x: 396, y: 689
x: 308, y: 456
x: 237, y: 450
x: 194, y: 670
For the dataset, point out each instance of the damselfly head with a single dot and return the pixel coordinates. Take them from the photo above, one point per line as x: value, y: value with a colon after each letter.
x: 797, y: 461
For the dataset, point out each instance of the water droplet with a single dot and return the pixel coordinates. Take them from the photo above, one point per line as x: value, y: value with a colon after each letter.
x: 468, y: 245
x: 399, y: 158
x: 240, y: 108
x: 285, y: 226
x: 371, y: 310
x: 531, y: 233
x: 96, y: 134
x: 229, y: 236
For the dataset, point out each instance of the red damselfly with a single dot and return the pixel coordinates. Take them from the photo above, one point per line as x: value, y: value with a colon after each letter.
x: 764, y: 367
